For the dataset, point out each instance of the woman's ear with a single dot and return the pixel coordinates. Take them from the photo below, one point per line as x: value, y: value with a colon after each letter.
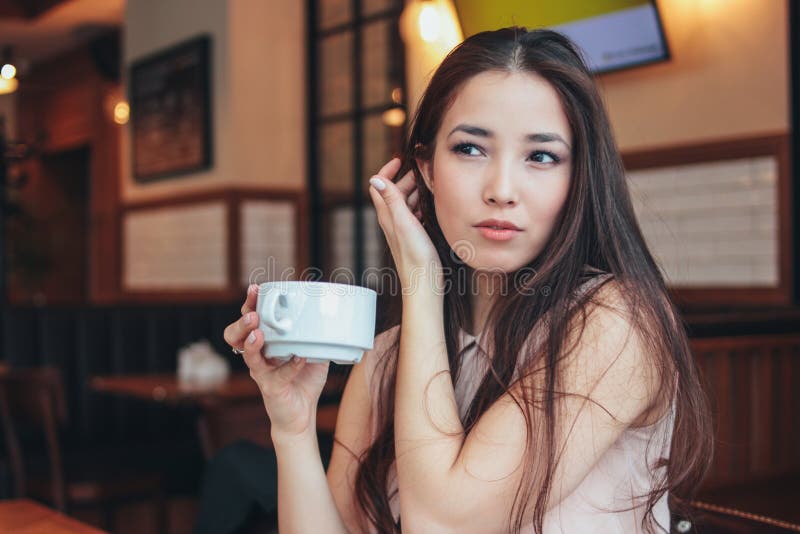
x: 424, y: 166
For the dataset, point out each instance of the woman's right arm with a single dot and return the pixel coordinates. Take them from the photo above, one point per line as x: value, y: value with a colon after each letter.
x: 290, y: 391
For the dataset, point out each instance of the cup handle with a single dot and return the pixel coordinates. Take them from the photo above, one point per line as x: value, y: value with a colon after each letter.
x: 268, y: 311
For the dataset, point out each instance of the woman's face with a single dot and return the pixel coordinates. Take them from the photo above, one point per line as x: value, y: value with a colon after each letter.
x: 502, y: 152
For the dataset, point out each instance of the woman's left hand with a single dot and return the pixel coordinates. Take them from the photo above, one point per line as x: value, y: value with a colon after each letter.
x: 396, y: 204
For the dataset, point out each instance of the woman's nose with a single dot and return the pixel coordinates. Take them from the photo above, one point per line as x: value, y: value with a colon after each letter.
x: 499, y: 189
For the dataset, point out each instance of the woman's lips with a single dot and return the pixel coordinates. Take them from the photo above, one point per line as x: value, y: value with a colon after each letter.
x: 497, y: 234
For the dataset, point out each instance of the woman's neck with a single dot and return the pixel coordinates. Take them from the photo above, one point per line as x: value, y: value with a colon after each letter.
x: 486, y: 288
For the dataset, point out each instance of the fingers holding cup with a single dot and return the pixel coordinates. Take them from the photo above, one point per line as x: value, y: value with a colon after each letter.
x: 236, y: 333
x: 252, y: 355
x: 251, y: 298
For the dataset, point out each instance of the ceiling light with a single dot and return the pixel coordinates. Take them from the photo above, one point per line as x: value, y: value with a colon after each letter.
x: 8, y: 71
x: 429, y: 23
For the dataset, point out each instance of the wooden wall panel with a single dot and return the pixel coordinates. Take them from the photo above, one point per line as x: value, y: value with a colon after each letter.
x: 60, y: 108
x: 752, y: 384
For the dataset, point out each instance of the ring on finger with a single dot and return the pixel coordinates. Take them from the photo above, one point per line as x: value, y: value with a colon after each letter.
x: 236, y: 351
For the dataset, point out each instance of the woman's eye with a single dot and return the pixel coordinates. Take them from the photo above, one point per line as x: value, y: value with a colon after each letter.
x: 466, y: 149
x: 544, y: 157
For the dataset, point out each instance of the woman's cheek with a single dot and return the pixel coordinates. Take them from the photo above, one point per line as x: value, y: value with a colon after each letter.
x: 444, y: 213
x: 550, y: 200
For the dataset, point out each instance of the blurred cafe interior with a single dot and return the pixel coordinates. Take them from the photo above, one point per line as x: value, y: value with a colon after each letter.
x: 158, y: 156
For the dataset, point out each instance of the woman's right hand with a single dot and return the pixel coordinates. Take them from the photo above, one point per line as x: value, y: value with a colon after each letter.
x: 290, y: 388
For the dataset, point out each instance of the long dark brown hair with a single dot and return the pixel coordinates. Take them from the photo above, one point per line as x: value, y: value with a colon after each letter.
x: 596, y: 228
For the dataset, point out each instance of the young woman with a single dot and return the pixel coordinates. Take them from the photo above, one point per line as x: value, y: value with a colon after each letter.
x: 538, y: 377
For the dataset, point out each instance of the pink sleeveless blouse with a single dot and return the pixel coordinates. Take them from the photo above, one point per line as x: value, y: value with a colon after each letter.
x: 627, y: 470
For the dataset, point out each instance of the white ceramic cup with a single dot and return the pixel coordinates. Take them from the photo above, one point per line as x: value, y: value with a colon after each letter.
x: 320, y: 321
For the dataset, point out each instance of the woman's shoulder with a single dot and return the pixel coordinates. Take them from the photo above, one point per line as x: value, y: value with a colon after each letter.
x: 593, y: 277
x: 613, y: 321
x: 595, y: 289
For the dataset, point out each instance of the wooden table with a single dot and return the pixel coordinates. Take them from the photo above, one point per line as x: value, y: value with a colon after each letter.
x: 167, y: 389
x: 237, y: 388
x: 23, y: 516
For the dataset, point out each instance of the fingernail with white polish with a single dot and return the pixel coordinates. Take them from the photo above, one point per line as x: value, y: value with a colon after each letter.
x: 251, y: 338
x: 377, y: 183
x: 248, y: 318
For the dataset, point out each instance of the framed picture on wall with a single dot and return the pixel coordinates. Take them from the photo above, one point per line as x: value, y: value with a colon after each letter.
x: 170, y: 111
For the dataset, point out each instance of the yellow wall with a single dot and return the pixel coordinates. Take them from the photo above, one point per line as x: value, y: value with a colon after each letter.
x: 728, y: 76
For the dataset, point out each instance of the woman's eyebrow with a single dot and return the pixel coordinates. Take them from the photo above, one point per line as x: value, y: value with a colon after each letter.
x: 548, y: 137
x: 472, y: 130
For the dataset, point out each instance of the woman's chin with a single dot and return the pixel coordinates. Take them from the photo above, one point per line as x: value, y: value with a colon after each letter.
x: 485, y: 260
x: 488, y: 268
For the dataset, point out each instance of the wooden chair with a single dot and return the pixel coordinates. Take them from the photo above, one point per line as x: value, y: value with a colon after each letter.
x: 33, y: 400
x: 752, y: 384
x: 711, y: 518
x: 222, y: 424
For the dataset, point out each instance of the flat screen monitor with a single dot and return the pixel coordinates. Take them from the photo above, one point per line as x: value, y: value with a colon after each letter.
x: 612, y: 34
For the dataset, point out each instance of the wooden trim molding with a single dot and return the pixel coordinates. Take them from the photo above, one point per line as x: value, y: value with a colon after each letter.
x: 776, y: 145
x: 233, y: 200
x: 707, y: 151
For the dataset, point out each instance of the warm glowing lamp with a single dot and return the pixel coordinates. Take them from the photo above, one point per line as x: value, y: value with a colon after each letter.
x: 394, y: 116
x: 430, y: 29
x: 8, y: 86
x: 116, y: 107
x: 431, y: 21
x: 421, y: 19
x: 397, y: 95
x: 8, y: 71
x: 122, y: 112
